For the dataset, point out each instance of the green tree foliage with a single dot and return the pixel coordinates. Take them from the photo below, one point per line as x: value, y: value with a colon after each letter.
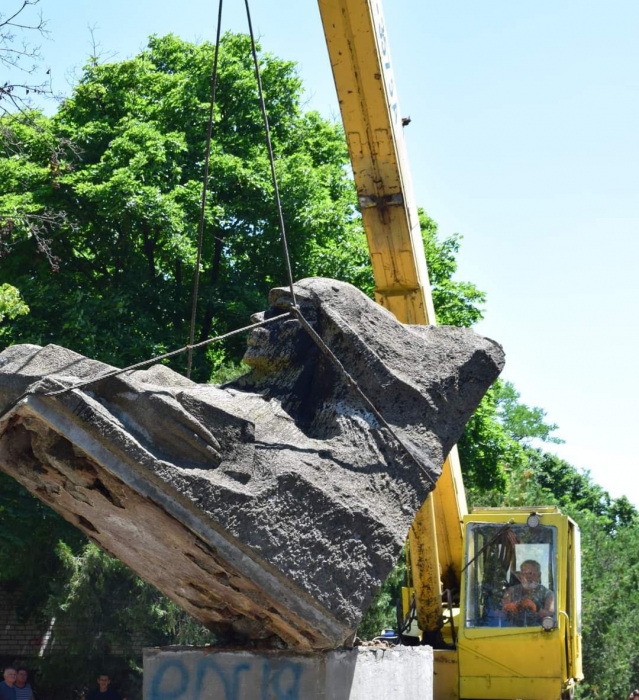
x: 610, y: 607
x: 30, y: 532
x: 11, y: 303
x: 523, y: 423
x: 383, y: 611
x: 130, y: 191
x: 486, y: 450
x: 496, y: 439
x: 98, y: 219
x: 104, y: 602
x: 456, y: 303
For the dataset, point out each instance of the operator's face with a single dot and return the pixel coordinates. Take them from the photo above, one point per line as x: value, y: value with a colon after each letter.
x: 10, y: 676
x: 530, y: 576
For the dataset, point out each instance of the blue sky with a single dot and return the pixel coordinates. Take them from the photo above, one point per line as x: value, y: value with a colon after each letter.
x: 523, y: 139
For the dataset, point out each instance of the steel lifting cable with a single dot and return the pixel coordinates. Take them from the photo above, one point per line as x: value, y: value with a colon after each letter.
x: 271, y: 158
x: 356, y: 388
x: 295, y: 311
x: 166, y: 355
x: 295, y: 308
x: 205, y: 183
x: 214, y: 72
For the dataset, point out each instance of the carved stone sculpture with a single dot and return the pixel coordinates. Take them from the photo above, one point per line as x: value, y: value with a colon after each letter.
x: 275, y: 505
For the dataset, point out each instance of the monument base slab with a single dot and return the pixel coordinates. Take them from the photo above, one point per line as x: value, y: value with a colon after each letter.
x: 362, y: 673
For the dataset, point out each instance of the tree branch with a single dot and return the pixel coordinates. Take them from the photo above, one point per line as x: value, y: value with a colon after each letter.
x: 15, y: 94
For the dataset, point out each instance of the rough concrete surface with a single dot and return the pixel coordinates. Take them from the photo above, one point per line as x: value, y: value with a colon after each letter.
x: 356, y: 674
x: 275, y: 505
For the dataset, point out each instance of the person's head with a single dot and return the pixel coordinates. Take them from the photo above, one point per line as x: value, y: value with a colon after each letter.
x: 530, y: 573
x: 22, y: 677
x: 103, y: 682
x: 10, y: 675
x: 634, y: 695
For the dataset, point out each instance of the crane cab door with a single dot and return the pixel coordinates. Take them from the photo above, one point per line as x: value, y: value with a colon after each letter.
x: 519, y: 617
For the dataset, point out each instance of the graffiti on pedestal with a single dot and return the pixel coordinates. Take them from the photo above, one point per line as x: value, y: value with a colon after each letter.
x: 226, y: 677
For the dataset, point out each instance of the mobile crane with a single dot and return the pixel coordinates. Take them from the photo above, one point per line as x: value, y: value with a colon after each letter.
x: 483, y: 650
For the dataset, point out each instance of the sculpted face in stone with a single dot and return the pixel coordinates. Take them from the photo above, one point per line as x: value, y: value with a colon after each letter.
x: 273, y: 506
x: 281, y: 346
x: 285, y: 345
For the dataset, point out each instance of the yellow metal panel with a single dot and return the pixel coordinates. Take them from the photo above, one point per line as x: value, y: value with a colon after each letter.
x: 446, y: 675
x: 575, y: 669
x: 511, y: 653
x: 490, y: 688
x: 425, y: 569
x: 450, y: 508
x: 516, y: 665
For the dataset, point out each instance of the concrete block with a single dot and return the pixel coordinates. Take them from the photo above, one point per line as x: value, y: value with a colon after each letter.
x: 363, y: 673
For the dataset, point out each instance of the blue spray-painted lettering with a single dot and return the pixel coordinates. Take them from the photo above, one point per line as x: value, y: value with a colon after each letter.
x: 215, y: 680
x: 158, y: 693
x: 288, y: 673
x: 282, y: 683
x: 231, y: 684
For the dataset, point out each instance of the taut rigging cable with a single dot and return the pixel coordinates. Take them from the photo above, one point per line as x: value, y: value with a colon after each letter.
x: 205, y: 183
x: 295, y: 310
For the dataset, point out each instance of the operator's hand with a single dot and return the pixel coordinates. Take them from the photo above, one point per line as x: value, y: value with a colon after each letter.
x: 511, y: 608
x: 527, y: 604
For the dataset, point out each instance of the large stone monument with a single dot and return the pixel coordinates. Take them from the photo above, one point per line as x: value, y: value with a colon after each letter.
x: 275, y: 506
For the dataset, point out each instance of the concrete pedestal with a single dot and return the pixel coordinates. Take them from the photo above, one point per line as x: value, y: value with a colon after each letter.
x: 363, y: 673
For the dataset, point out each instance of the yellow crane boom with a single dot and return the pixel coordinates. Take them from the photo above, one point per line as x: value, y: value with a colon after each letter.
x: 360, y: 58
x: 498, y: 650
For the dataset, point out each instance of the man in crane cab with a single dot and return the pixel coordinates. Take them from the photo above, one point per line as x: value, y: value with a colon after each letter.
x: 528, y: 602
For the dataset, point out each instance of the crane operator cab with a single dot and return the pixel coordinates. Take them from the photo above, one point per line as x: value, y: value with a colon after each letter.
x: 511, y: 576
x: 519, y: 630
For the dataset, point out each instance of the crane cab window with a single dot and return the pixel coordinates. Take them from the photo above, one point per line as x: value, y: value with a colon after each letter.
x: 511, y: 577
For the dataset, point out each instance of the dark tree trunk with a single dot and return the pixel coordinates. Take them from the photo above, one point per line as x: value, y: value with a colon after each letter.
x: 149, y: 251
x: 214, y: 278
